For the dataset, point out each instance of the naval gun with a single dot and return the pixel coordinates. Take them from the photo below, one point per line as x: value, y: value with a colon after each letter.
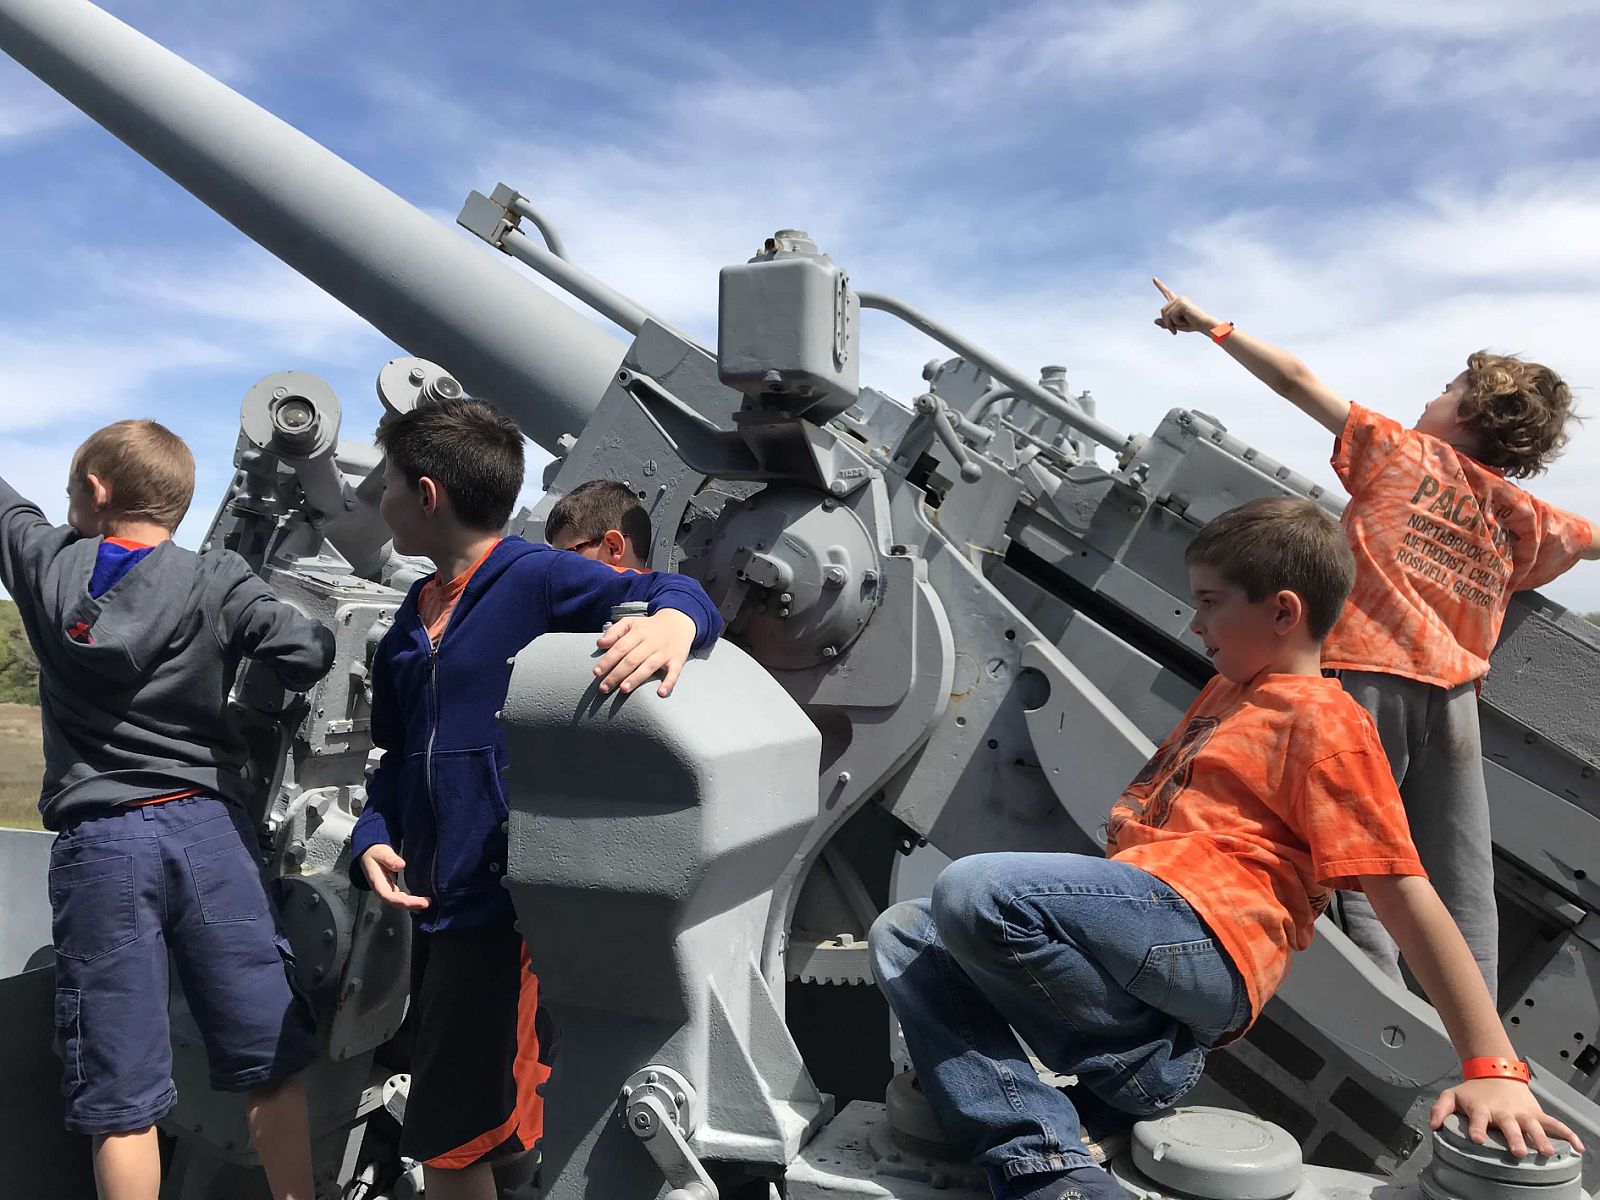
x: 956, y: 620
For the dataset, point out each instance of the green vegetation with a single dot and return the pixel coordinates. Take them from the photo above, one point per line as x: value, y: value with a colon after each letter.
x: 19, y: 669
x: 21, y: 750
x: 21, y: 766
x: 1593, y: 618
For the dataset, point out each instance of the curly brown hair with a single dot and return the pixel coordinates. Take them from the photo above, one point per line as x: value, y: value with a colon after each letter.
x: 1519, y: 410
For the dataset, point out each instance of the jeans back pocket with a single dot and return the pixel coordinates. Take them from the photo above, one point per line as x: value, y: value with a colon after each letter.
x: 92, y: 907
x: 227, y: 882
x: 1191, y: 982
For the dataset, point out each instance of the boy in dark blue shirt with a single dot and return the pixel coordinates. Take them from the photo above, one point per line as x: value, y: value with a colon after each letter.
x: 437, y: 808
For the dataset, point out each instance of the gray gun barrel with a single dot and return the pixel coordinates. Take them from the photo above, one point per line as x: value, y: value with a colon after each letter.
x: 416, y: 281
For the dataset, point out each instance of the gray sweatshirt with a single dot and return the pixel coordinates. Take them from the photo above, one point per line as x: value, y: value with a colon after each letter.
x: 133, y: 686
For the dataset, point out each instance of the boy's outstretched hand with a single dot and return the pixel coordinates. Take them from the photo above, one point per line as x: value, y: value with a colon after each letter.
x: 382, y: 866
x: 638, y: 647
x: 1510, y: 1106
x: 1181, y: 314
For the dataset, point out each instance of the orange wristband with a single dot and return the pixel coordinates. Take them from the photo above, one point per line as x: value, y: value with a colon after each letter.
x: 1496, y: 1068
x: 1219, y: 332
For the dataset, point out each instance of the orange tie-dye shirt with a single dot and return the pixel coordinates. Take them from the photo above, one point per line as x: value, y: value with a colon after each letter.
x: 1441, y: 541
x: 1265, y: 799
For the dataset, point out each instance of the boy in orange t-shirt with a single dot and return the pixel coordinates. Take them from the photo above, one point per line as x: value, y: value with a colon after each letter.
x: 1273, y: 791
x: 1442, y: 539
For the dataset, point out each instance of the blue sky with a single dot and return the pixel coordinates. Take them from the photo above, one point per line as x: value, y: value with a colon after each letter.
x: 1383, y: 187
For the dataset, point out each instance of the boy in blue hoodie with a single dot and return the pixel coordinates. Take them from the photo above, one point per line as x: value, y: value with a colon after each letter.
x: 437, y: 807
x: 138, y: 643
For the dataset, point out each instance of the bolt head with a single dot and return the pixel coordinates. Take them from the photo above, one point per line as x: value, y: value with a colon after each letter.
x: 837, y: 487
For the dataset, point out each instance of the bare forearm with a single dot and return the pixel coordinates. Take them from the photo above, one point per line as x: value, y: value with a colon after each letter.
x: 1278, y: 369
x: 1274, y: 366
x: 1438, y: 955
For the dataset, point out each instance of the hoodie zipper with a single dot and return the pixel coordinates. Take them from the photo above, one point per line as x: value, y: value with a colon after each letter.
x: 433, y: 732
x: 433, y: 726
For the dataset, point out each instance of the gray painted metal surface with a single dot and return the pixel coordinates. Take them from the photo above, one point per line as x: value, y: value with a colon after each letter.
x: 949, y: 623
x: 25, y: 911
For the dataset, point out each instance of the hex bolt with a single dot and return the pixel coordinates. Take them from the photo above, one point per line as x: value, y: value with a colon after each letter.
x: 829, y: 651
x: 838, y: 487
x: 869, y: 577
x: 786, y: 598
x: 835, y: 576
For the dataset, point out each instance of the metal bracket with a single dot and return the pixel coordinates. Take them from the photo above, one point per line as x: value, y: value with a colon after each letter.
x: 659, y: 1107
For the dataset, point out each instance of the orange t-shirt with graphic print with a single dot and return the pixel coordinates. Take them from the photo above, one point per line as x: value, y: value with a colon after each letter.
x: 1264, y: 800
x: 1441, y: 541
x: 436, y: 602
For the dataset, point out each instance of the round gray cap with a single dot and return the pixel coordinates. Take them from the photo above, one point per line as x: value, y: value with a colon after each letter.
x: 1217, y: 1154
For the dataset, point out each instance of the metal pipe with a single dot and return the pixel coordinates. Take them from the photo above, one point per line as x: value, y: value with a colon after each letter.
x: 502, y: 335
x: 537, y: 219
x: 988, y: 400
x: 605, y: 300
x: 1025, y: 387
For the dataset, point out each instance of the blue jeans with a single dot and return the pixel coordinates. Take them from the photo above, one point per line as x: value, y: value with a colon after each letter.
x: 1103, y: 970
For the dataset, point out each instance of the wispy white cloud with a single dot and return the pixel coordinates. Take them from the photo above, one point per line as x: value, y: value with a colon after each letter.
x: 51, y: 377
x: 27, y: 110
x: 264, y: 307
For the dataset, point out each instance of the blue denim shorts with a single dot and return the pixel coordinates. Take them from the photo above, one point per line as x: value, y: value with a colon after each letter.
x: 126, y: 889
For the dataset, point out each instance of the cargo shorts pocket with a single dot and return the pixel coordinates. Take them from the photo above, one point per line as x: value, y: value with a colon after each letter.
x: 1192, y: 983
x: 68, y: 1039
x: 91, y: 905
x: 227, y: 882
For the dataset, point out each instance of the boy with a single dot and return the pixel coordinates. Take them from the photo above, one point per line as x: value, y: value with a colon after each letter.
x: 1124, y: 971
x: 603, y: 520
x: 1441, y: 540
x: 138, y: 644
x: 437, y: 800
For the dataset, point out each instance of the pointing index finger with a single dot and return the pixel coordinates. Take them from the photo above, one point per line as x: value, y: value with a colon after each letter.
x: 1163, y: 289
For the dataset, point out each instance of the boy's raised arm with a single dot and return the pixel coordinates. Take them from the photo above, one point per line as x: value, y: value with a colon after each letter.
x: 1437, y: 954
x: 1278, y: 369
x: 27, y: 540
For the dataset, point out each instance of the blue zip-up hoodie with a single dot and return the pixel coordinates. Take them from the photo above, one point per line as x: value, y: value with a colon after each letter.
x: 439, y: 795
